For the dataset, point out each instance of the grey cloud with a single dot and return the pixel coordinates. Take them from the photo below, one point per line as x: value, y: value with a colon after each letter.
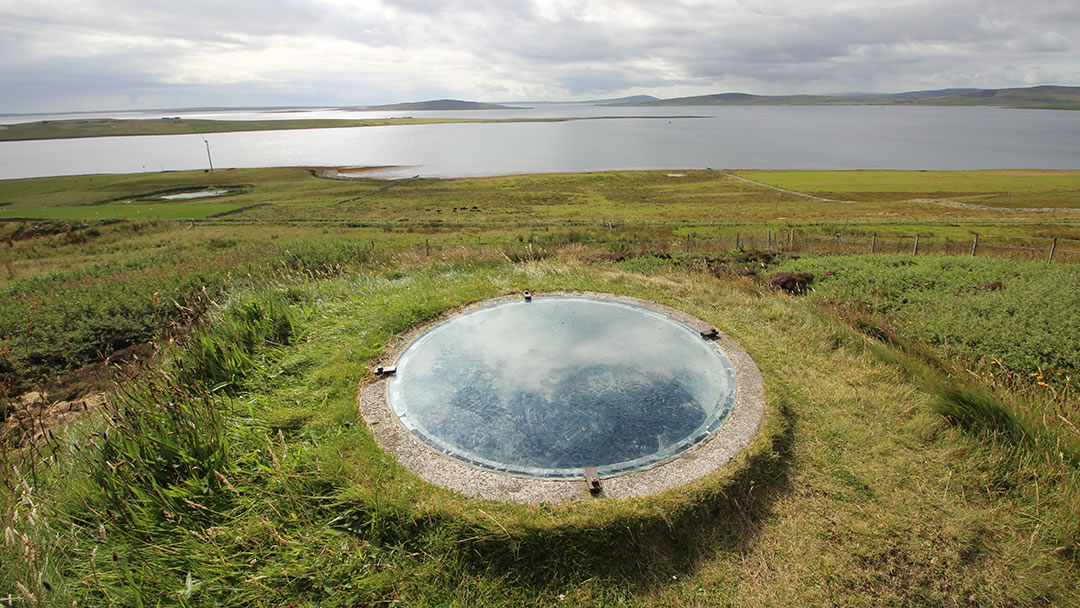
x: 483, y: 46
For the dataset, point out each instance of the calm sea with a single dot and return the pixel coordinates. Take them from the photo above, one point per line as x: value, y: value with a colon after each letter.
x: 730, y: 137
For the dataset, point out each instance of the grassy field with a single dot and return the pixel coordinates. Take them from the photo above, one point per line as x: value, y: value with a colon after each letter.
x: 1002, y: 189
x: 647, y: 209
x: 710, y: 202
x: 909, y: 456
x: 103, y: 196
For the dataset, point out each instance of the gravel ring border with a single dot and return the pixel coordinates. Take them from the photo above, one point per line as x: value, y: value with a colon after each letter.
x: 433, y: 466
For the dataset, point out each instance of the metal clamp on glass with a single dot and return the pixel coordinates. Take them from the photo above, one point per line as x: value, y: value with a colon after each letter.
x: 593, y: 479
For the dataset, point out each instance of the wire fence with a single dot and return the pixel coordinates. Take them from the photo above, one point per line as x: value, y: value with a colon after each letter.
x: 1047, y: 249
x: 794, y: 240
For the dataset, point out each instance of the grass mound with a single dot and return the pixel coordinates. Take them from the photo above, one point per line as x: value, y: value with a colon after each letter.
x: 253, y: 481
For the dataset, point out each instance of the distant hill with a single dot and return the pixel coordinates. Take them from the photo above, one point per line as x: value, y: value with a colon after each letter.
x: 593, y: 102
x: 744, y: 99
x: 925, y: 94
x: 437, y: 104
x: 1041, y: 94
x: 909, y: 94
x: 624, y: 100
x: 1051, y: 97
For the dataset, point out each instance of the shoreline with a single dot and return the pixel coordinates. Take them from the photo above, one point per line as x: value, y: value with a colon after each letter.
x: 344, y: 173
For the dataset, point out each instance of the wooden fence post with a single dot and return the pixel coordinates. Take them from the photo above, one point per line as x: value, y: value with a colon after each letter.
x: 975, y: 244
x: 1053, y: 246
x: 427, y: 246
x: 738, y: 241
x: 915, y: 251
x: 873, y: 244
x: 791, y: 239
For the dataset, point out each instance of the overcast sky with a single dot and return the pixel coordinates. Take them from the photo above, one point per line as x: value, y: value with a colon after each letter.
x: 59, y: 55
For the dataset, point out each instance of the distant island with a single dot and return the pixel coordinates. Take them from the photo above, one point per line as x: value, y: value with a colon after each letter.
x: 1040, y: 97
x: 434, y: 105
x: 623, y: 101
x: 175, y: 125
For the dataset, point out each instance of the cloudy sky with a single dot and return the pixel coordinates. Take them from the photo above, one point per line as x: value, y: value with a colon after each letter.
x: 59, y: 55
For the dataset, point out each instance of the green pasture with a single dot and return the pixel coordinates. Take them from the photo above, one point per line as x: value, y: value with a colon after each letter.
x: 247, y: 186
x: 874, y: 201
x: 162, y: 210
x: 993, y: 188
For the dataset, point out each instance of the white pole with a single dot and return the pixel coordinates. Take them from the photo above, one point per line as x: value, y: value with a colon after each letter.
x: 210, y: 160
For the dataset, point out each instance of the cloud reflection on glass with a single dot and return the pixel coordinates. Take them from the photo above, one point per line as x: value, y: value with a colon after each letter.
x: 549, y: 387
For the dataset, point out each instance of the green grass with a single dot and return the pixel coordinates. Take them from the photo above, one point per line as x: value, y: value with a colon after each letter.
x: 992, y: 188
x: 856, y: 492
x: 1004, y: 316
x: 52, y: 324
x: 162, y: 210
x: 84, y: 196
x: 707, y: 199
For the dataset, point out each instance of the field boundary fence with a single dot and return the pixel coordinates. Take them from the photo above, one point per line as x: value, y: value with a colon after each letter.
x: 1047, y: 249
x: 791, y: 240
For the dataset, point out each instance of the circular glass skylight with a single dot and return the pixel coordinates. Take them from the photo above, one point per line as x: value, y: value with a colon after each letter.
x: 549, y: 387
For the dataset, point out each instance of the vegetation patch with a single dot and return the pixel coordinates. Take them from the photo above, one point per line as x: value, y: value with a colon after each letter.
x: 53, y: 324
x: 1002, y: 189
x: 998, y: 315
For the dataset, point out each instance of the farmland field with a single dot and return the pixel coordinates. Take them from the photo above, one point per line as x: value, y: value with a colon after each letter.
x: 1002, y: 189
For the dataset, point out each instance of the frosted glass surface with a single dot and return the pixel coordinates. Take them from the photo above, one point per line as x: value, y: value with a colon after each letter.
x: 549, y: 387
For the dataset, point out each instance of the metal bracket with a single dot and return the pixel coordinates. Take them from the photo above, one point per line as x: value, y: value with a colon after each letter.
x: 593, y: 479
x: 386, y: 370
x: 712, y: 332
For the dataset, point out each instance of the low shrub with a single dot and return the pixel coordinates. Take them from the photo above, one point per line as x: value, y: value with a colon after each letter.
x: 794, y: 283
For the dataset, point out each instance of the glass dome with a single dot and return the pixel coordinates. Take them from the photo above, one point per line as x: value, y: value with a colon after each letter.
x: 549, y: 387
